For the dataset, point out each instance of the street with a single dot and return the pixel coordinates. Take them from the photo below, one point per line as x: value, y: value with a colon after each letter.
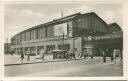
x: 73, y: 68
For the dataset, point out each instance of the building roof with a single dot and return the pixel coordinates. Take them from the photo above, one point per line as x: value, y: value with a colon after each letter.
x: 98, y: 17
x: 52, y: 22
x: 63, y: 19
x: 114, y: 24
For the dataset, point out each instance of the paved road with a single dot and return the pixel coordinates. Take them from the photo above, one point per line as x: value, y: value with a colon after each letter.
x: 76, y: 68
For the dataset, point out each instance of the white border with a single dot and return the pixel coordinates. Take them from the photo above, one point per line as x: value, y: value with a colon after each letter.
x: 125, y: 28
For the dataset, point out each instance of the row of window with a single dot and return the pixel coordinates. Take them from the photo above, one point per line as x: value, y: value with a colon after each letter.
x: 49, y: 48
x: 39, y: 33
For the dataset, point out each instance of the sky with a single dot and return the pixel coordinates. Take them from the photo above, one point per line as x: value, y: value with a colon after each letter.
x: 19, y: 17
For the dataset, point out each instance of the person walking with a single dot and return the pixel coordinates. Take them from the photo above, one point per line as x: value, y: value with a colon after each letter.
x: 104, y: 56
x: 112, y: 57
x: 53, y: 53
x: 72, y: 56
x: 85, y: 54
x: 11, y: 52
x: 78, y: 55
x: 91, y: 54
x: 28, y: 56
x: 42, y: 54
x: 22, y: 57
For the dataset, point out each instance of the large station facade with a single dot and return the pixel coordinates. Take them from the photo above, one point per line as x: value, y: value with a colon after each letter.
x: 74, y: 33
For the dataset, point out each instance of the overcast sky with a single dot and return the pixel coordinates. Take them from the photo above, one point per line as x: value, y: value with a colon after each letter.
x: 19, y: 17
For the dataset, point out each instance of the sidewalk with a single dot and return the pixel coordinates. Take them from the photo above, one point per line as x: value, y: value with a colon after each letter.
x: 15, y: 60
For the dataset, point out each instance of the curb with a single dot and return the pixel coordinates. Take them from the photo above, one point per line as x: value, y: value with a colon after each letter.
x: 40, y: 62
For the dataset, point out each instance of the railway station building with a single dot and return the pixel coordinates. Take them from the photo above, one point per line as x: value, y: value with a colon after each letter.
x: 74, y: 33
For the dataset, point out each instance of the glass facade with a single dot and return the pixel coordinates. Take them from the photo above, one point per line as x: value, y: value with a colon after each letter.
x: 40, y: 33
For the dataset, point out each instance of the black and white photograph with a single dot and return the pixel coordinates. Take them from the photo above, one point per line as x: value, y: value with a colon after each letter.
x: 63, y: 39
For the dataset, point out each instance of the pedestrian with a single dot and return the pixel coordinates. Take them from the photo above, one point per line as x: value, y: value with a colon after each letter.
x: 78, y: 55
x: 91, y: 54
x: 22, y: 57
x: 112, y: 57
x: 28, y: 56
x: 67, y: 55
x: 53, y: 55
x: 85, y: 54
x: 104, y: 56
x: 42, y: 54
x: 72, y: 56
x: 11, y: 52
